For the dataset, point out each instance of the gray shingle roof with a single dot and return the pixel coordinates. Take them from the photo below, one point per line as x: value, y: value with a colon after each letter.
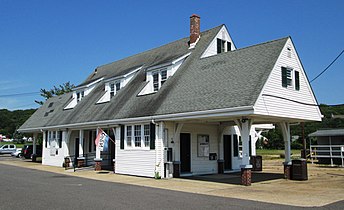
x: 227, y: 80
x: 328, y: 132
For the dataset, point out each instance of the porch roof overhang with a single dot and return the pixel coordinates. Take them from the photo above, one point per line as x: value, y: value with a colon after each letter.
x: 208, y: 116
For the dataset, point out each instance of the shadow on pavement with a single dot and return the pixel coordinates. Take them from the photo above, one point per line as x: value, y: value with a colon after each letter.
x: 235, y: 178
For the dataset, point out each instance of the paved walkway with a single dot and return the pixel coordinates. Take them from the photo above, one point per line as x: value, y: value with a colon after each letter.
x: 325, y: 184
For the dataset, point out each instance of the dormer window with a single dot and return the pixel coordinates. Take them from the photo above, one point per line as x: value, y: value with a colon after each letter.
x: 223, y: 46
x: 159, y: 78
x: 79, y: 95
x: 114, y: 84
x: 157, y: 75
x: 114, y: 88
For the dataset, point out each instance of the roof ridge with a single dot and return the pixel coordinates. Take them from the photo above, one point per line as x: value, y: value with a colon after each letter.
x: 149, y: 50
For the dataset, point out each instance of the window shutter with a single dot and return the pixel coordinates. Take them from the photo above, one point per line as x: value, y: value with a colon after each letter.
x: 297, y: 80
x: 152, y: 136
x: 250, y: 146
x: 219, y: 42
x: 122, y: 137
x: 46, y: 139
x: 235, y: 144
x: 284, y: 77
x: 229, y: 46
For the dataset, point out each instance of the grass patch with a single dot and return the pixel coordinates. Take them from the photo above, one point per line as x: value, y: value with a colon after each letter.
x: 269, y: 154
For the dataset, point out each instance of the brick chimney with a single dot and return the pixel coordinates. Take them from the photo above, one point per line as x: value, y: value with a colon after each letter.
x: 195, y: 25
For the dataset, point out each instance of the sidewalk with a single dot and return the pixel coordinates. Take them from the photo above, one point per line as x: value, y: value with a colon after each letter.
x: 325, y: 185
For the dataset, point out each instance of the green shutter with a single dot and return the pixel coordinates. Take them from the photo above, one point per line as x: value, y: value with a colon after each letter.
x: 250, y: 146
x: 235, y: 145
x: 229, y: 46
x: 122, y: 137
x: 284, y: 77
x: 219, y: 43
x: 152, y: 136
x: 297, y: 80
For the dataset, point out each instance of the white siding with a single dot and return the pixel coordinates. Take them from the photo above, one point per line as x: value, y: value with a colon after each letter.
x: 272, y: 106
x: 212, y: 48
x: 49, y: 157
x: 139, y: 162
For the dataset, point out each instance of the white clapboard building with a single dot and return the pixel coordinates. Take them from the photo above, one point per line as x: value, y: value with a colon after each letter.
x: 193, y: 106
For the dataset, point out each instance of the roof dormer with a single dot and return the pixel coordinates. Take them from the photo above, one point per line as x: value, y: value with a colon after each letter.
x: 220, y: 44
x: 114, y: 84
x: 157, y: 75
x: 80, y: 92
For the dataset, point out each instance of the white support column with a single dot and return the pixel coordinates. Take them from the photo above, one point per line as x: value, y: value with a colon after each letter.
x: 245, y: 128
x: 285, y: 127
x: 220, y: 132
x: 176, y: 139
x: 81, y: 143
x: 65, y: 140
x: 34, y: 143
x: 159, y: 148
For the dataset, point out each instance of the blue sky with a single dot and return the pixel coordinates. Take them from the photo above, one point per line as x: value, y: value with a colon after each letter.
x: 45, y: 43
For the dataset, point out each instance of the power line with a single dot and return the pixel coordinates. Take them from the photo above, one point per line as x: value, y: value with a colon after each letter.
x: 327, y: 66
x: 19, y: 94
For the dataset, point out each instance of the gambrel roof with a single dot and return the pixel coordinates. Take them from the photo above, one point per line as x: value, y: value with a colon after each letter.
x: 227, y: 80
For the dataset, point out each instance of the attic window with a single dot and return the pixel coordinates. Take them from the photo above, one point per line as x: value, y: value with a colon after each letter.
x: 79, y: 95
x: 114, y: 88
x: 287, y: 78
x: 289, y: 52
x: 159, y: 78
x: 223, y: 46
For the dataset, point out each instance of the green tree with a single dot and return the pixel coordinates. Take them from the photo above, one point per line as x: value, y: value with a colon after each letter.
x: 55, y: 91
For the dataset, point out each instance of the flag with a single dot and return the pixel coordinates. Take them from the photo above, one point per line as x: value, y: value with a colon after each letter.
x: 102, y: 140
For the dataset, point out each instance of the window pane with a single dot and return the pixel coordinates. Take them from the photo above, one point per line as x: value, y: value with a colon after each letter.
x: 147, y: 135
x: 156, y: 81
x: 163, y: 76
x: 137, y: 135
x: 118, y: 86
x: 129, y: 136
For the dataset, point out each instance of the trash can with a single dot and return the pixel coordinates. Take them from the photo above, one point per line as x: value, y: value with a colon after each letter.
x: 299, y: 170
x: 257, y: 163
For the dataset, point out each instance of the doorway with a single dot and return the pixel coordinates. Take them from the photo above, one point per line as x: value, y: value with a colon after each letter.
x: 185, y: 152
x: 227, y: 152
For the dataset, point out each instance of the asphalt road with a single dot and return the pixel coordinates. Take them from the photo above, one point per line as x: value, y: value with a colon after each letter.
x: 23, y: 188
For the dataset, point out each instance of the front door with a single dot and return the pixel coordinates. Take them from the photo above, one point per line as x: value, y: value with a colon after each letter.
x: 185, y: 153
x: 227, y: 152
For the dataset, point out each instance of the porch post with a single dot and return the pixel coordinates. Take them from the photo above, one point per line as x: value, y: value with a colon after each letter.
x: 159, y: 150
x: 245, y: 127
x: 285, y: 127
x: 34, y: 149
x: 220, y: 161
x: 81, y: 158
x: 176, y: 139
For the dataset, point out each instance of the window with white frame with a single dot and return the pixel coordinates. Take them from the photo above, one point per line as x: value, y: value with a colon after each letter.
x: 223, y: 46
x: 287, y: 78
x: 146, y: 134
x: 138, y: 136
x: 79, y: 95
x: 159, y: 78
x: 114, y: 88
x: 129, y: 136
x: 54, y: 136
